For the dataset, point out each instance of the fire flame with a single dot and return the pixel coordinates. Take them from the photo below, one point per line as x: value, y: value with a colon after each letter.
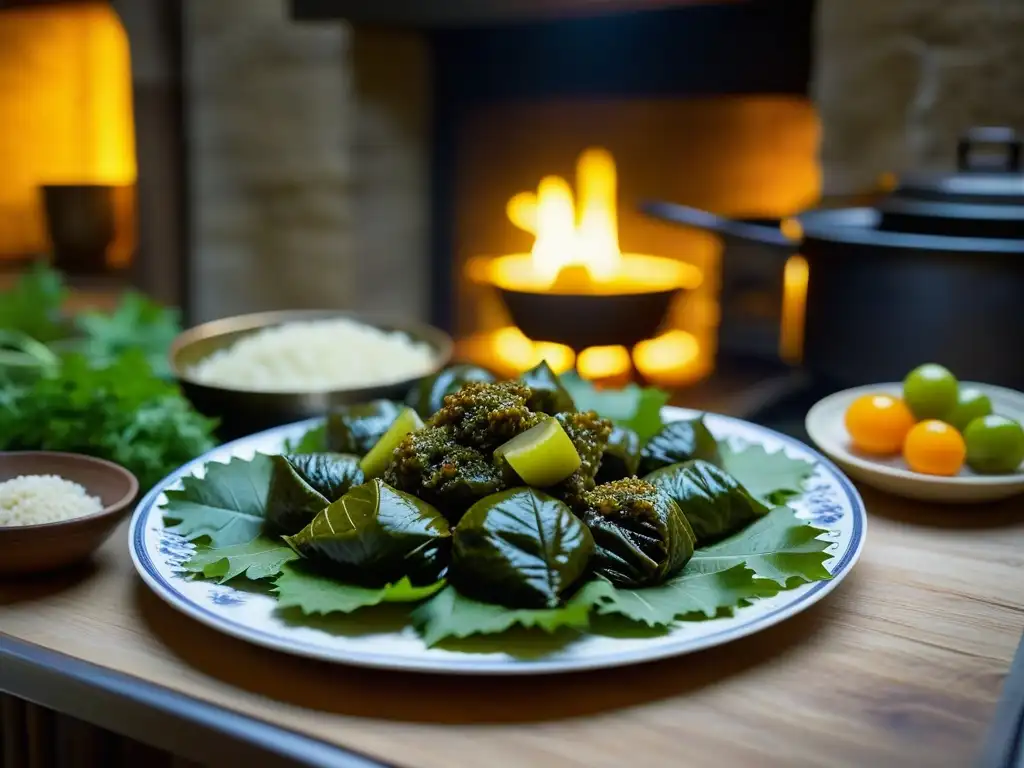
x: 576, y: 240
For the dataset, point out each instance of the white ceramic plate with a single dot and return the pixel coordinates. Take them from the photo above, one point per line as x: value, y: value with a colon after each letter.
x: 825, y: 426
x: 830, y: 501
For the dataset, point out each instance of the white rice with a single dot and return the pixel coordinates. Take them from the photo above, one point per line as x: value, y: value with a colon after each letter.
x: 316, y: 356
x: 36, y: 499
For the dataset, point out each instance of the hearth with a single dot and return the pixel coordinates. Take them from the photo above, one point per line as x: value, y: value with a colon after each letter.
x: 551, y: 123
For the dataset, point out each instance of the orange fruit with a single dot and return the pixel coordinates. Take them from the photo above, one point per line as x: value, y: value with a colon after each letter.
x: 934, y: 447
x: 878, y: 424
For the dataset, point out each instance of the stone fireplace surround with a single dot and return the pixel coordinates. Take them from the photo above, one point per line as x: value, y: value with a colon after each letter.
x: 307, y: 144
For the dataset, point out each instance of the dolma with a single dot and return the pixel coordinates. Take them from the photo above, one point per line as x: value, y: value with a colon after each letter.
x: 641, y: 537
x: 301, y: 485
x: 715, y: 503
x: 374, y: 535
x: 520, y: 548
x: 621, y: 457
x: 679, y: 441
x: 547, y: 395
x: 356, y: 428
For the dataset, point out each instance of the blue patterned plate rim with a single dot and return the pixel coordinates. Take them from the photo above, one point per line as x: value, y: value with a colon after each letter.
x: 803, y: 597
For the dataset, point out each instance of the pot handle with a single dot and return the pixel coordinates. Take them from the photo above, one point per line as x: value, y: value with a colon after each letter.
x: 727, y: 228
x: 1003, y: 137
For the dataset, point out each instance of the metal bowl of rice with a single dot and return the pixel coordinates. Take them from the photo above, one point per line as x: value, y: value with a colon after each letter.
x: 257, y: 371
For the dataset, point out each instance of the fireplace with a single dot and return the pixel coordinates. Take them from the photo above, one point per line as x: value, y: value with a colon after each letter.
x: 700, y: 103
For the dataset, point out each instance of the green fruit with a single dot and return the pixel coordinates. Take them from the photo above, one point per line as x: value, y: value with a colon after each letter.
x: 995, y: 445
x: 377, y: 460
x: 542, y: 455
x: 930, y: 391
x: 970, y: 405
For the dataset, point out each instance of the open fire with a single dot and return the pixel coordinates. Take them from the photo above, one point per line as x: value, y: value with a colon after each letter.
x: 576, y: 253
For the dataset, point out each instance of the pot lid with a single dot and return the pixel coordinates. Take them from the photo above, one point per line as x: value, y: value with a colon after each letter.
x: 989, y: 172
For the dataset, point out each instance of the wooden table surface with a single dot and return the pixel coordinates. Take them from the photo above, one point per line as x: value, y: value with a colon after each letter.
x: 900, y: 666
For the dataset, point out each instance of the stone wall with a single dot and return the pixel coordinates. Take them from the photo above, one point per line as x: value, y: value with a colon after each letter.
x: 308, y: 172
x: 898, y: 81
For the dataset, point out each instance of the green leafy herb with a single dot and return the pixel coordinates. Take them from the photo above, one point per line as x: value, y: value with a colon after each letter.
x: 774, y: 477
x: 136, y: 324
x: 33, y: 305
x: 120, y: 412
x: 310, y: 592
x: 226, y: 506
x: 780, y: 546
x: 313, y: 441
x: 638, y: 408
x: 261, y: 558
x: 691, y: 592
x: 451, y: 614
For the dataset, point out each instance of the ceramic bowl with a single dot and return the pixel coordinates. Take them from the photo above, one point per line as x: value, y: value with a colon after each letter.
x: 825, y: 426
x: 242, y: 412
x: 37, y: 548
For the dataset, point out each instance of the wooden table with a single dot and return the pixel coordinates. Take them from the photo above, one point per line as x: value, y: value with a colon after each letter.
x: 901, y: 666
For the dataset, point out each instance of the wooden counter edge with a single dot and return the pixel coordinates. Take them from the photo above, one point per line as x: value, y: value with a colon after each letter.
x: 158, y: 716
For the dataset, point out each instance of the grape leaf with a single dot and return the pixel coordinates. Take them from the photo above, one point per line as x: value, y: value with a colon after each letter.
x: 780, y: 546
x: 691, y: 592
x: 450, y: 614
x: 637, y: 408
x: 774, y: 477
x: 226, y: 506
x: 313, y: 441
x: 261, y: 558
x: 310, y: 592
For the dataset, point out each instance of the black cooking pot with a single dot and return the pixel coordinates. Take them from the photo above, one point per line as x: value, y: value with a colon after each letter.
x: 933, y: 273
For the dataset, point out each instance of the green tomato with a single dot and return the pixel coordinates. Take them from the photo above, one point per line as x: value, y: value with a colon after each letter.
x: 930, y: 391
x: 995, y: 445
x: 971, y: 404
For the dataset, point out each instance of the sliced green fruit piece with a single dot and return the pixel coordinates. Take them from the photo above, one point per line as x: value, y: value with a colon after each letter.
x: 970, y: 405
x: 542, y: 455
x: 376, y: 461
x: 995, y: 445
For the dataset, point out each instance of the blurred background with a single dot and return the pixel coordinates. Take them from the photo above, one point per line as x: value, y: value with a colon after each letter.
x: 246, y: 155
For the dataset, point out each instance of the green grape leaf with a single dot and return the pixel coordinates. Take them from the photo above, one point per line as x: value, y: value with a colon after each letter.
x: 313, y: 441
x: 779, y: 546
x: 450, y: 614
x: 637, y: 408
x: 773, y: 477
x: 691, y: 592
x: 311, y: 592
x: 226, y: 506
x: 261, y: 558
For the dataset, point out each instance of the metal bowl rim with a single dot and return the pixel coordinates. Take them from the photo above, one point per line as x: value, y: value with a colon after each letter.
x: 440, y: 341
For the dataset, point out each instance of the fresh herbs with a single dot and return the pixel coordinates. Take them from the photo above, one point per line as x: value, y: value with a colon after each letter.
x: 119, y: 412
x: 96, y: 383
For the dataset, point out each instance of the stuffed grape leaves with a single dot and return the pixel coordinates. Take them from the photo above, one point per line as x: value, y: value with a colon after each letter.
x: 428, y: 396
x: 621, y: 457
x: 303, y: 484
x: 714, y: 502
x: 356, y: 428
x: 374, y: 535
x: 679, y: 441
x: 641, y: 537
x: 520, y: 548
x: 547, y: 395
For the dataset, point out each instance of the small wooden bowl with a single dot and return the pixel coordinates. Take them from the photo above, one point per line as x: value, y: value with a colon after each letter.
x: 37, y: 548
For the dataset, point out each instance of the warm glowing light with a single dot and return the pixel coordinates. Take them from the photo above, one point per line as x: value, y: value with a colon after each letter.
x: 794, y: 297
x: 516, y: 351
x: 65, y: 112
x: 603, y: 362
x: 673, y: 357
x: 576, y: 241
